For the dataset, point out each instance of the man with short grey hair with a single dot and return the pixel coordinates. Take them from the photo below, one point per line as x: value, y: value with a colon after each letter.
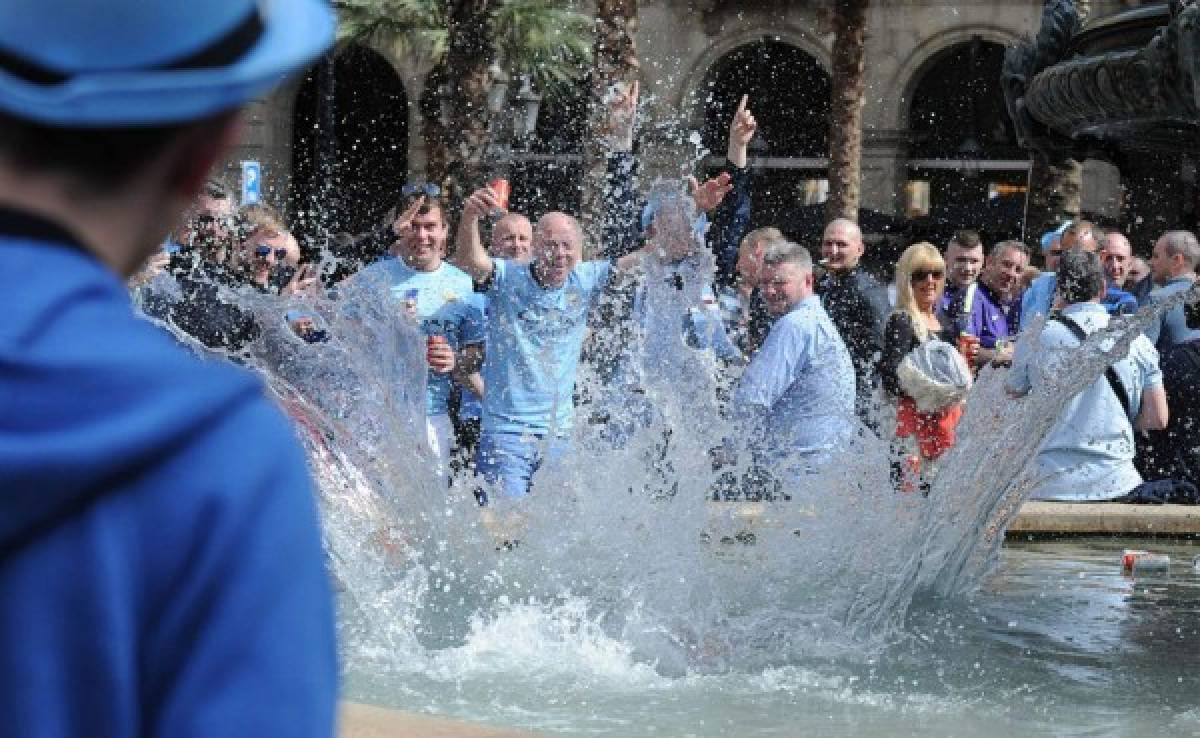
x: 1173, y: 268
x: 797, y: 395
x: 1088, y: 455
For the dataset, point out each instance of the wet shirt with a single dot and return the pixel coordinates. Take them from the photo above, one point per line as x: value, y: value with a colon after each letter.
x: 957, y: 302
x: 443, y: 307
x: 534, y: 337
x: 858, y: 305
x: 1088, y: 455
x: 798, y: 391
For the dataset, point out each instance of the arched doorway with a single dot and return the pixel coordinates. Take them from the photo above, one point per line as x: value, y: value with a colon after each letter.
x: 350, y: 143
x: 789, y: 94
x: 965, y: 168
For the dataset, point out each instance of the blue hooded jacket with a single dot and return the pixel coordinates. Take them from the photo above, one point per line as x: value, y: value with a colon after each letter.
x: 160, y: 563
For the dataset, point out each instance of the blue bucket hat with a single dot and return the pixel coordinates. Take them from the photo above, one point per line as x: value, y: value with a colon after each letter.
x: 1049, y: 237
x: 119, y: 63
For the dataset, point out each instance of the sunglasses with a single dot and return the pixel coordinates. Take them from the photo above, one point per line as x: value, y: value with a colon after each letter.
x: 263, y: 252
x: 920, y: 275
x: 429, y: 189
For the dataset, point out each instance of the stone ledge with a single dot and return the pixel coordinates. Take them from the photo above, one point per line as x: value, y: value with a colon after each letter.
x: 1105, y: 518
x: 367, y: 721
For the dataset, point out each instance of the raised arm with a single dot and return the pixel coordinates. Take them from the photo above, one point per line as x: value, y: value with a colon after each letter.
x: 619, y: 220
x: 732, y: 218
x: 469, y: 253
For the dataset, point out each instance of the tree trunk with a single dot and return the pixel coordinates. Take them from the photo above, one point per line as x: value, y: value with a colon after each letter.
x: 849, y: 95
x: 434, y: 132
x: 469, y: 52
x: 615, y: 62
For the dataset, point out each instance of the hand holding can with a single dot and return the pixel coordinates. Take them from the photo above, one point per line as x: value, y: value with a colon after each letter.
x: 439, y: 355
x: 502, y: 189
x: 968, y: 346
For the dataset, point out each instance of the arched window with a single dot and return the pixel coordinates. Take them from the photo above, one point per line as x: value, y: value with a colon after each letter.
x: 789, y: 95
x: 350, y: 143
x: 965, y: 168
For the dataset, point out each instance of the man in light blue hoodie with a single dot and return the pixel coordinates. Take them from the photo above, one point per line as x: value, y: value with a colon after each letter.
x: 161, y: 569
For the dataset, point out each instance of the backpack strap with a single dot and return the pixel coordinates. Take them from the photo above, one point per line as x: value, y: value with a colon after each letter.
x: 1114, y: 379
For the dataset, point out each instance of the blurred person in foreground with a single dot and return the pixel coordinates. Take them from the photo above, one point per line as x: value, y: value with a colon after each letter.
x: 1088, y: 455
x: 920, y: 368
x: 160, y: 575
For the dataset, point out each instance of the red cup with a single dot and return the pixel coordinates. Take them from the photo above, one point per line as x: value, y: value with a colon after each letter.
x: 502, y: 190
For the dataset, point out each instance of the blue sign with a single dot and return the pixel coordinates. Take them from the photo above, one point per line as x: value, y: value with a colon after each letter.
x: 251, y: 182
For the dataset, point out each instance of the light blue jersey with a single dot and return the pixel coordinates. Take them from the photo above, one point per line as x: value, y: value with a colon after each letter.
x: 444, y: 307
x: 534, y: 337
x: 799, y: 389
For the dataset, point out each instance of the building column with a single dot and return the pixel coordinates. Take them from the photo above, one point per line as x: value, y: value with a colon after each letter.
x: 884, y: 170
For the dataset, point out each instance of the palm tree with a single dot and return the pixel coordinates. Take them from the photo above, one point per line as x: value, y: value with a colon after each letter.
x: 544, y: 39
x: 848, y: 93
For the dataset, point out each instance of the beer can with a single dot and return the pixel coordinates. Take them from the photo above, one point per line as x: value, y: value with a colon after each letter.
x: 501, y: 188
x: 1128, y: 556
x: 1144, y: 562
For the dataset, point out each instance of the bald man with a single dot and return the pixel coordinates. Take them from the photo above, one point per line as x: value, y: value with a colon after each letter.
x: 857, y: 304
x: 537, y: 319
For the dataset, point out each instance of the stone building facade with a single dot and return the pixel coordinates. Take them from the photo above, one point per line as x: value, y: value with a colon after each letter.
x: 936, y: 134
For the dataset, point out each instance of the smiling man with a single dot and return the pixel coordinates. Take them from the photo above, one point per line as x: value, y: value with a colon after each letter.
x: 797, y: 395
x: 438, y: 296
x: 996, y: 310
x: 964, y: 258
x: 856, y: 303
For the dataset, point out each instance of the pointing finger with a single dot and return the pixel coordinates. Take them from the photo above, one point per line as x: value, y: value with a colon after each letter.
x: 741, y: 108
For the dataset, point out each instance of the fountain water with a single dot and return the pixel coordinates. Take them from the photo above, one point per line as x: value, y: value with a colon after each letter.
x: 855, y: 606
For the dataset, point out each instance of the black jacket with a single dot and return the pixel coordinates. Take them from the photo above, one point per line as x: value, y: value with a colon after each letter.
x: 858, y: 305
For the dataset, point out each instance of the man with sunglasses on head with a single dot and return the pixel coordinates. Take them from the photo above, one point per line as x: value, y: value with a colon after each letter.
x: 439, y: 297
x: 161, y: 567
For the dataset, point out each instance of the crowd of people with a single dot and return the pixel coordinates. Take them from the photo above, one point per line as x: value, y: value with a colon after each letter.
x: 811, y: 351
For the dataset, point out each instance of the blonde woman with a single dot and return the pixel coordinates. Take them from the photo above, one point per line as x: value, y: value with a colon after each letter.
x: 920, y: 281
